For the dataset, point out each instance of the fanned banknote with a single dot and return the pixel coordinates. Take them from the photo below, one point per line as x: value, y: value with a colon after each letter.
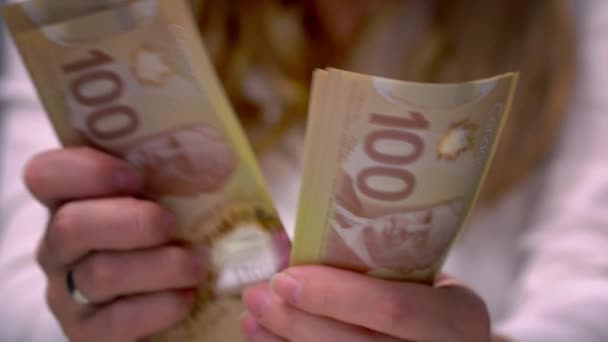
x: 392, y: 170
x: 132, y: 78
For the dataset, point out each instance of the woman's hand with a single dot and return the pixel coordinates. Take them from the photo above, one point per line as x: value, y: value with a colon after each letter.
x: 316, y: 303
x: 118, y: 249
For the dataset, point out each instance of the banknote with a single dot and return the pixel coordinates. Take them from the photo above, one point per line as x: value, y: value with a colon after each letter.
x: 132, y: 78
x: 392, y: 170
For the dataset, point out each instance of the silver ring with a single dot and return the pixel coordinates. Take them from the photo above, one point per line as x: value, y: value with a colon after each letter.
x: 74, y: 292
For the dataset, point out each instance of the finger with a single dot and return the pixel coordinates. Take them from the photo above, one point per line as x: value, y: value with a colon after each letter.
x: 404, y: 310
x: 125, y: 319
x: 102, y: 277
x: 465, y: 303
x: 256, y: 333
x: 116, y: 224
x: 79, y: 172
x: 281, y: 319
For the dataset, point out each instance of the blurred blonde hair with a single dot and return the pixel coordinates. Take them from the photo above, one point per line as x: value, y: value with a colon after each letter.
x: 276, y: 45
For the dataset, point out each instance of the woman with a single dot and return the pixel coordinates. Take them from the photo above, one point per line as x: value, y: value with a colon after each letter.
x: 535, y: 254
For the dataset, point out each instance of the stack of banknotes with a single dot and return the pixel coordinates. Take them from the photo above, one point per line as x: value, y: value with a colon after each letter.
x: 391, y: 171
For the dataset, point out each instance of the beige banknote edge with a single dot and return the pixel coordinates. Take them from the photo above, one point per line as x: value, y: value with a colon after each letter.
x: 345, y: 85
x: 311, y: 218
x: 309, y: 233
x: 325, y: 113
x: 358, y: 76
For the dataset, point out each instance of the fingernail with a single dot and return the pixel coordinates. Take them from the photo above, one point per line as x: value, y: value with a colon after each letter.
x: 200, y: 259
x: 286, y: 287
x: 126, y: 179
x: 249, y: 326
x: 257, y: 300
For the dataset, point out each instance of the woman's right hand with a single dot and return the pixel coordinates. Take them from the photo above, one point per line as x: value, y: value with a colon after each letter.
x: 120, y: 249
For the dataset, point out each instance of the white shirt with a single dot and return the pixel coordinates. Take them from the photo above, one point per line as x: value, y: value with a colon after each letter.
x: 539, y: 258
x: 24, y: 131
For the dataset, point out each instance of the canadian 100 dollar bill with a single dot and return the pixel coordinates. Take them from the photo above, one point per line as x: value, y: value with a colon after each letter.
x: 392, y: 170
x: 131, y: 78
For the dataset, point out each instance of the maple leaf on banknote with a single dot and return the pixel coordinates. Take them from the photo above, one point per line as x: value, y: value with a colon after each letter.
x: 458, y: 139
x: 150, y: 66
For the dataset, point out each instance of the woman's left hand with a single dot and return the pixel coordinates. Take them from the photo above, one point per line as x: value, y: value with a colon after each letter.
x: 317, y: 303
